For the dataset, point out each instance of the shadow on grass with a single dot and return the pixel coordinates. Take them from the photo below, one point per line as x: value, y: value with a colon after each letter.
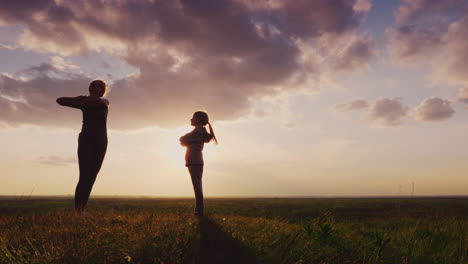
x: 216, y: 246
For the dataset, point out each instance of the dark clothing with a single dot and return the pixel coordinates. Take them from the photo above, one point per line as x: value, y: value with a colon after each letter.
x: 94, y: 119
x: 196, y: 173
x: 92, y: 146
x: 194, y: 141
x: 91, y: 152
x: 92, y: 143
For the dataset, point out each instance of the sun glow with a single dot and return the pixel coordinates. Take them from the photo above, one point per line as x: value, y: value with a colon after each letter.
x: 172, y: 151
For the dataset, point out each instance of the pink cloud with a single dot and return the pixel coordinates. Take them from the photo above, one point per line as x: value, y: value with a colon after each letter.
x: 191, y: 55
x: 386, y: 112
x: 433, y: 109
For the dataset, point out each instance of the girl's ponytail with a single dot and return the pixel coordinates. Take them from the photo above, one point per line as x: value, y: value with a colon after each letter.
x: 212, y: 133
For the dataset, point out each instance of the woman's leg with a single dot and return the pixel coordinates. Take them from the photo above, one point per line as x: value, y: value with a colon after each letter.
x: 196, y: 173
x: 90, y: 158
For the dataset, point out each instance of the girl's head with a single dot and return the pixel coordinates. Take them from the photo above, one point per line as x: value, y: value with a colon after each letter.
x: 199, y: 118
x: 97, y: 88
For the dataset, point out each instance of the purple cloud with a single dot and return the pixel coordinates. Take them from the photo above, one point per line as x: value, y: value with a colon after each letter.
x: 433, y: 109
x: 434, y: 31
x: 353, y: 105
x: 382, y: 112
x: 386, y: 111
x: 53, y: 160
x: 191, y: 55
x: 463, y: 95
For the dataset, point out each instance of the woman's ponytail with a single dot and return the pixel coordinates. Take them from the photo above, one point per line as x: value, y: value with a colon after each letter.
x: 212, y: 133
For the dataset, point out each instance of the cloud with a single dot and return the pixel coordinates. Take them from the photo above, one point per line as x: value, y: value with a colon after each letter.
x: 188, y: 56
x: 386, y: 111
x: 9, y: 47
x: 61, y: 64
x: 381, y: 112
x: 433, y: 109
x: 30, y: 98
x: 418, y: 10
x: 434, y: 31
x: 356, y: 54
x: 305, y: 18
x: 410, y: 45
x: 452, y: 64
x: 363, y: 6
x: 53, y: 160
x: 353, y: 105
x: 420, y: 28
x: 463, y: 95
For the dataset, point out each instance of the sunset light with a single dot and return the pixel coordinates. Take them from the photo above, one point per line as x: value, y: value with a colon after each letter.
x: 234, y: 131
x: 307, y: 98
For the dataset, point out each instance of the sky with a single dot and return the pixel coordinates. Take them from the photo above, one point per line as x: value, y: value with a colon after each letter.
x: 307, y: 97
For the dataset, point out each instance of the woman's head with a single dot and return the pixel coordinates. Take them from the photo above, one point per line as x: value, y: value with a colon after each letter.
x: 199, y: 118
x: 97, y: 88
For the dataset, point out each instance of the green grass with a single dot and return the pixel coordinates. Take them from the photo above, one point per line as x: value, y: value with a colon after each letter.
x: 367, y: 230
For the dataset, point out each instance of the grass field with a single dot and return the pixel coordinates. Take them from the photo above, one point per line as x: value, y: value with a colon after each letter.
x: 334, y: 230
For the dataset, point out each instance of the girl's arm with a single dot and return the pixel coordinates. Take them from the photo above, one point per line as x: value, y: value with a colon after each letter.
x: 192, y: 137
x: 207, y: 137
x: 183, y: 141
x: 186, y: 139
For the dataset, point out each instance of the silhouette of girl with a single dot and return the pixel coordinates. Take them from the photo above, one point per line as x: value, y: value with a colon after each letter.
x: 194, y: 142
x: 92, y: 141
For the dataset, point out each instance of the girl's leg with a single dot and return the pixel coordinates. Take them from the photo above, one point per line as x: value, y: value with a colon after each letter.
x: 196, y: 173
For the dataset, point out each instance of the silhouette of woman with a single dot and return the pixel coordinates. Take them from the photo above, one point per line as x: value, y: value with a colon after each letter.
x: 194, y: 141
x: 92, y: 141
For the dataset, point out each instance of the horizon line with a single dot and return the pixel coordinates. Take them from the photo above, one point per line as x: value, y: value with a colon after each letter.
x: 104, y: 196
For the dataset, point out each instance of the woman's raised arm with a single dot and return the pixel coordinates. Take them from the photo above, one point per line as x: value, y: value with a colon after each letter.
x: 81, y: 101
x: 75, y: 102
